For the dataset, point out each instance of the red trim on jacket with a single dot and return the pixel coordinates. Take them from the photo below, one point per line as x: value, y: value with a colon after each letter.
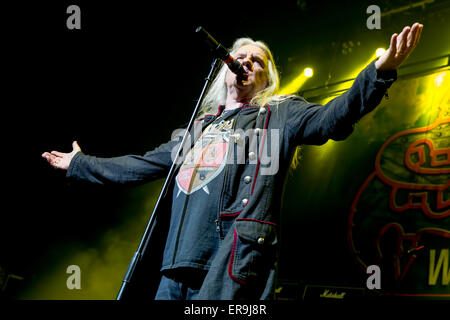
x: 262, y: 221
x: 227, y: 215
x: 230, y: 265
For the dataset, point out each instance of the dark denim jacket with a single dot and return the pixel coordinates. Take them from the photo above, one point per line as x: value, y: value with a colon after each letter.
x: 251, y: 192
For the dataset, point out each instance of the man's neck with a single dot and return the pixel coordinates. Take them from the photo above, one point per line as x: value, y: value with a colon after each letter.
x: 231, y: 104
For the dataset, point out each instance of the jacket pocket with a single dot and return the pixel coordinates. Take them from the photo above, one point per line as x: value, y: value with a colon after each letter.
x: 253, y: 254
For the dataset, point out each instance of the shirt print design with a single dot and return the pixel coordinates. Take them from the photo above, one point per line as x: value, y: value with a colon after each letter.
x: 206, y: 160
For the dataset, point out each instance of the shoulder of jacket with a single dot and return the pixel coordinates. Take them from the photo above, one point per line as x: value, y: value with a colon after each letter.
x: 283, y: 101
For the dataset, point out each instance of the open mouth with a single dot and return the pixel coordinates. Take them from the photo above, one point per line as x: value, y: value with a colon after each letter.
x: 242, y: 79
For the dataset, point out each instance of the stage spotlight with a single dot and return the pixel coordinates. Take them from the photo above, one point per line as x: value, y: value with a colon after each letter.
x: 380, y: 52
x: 308, y: 72
x: 294, y: 85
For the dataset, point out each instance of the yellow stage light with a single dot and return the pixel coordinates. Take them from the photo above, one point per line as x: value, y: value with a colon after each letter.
x: 295, y: 85
x: 308, y: 72
x: 380, y: 52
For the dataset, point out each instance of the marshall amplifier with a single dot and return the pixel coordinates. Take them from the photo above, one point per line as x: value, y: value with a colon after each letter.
x: 332, y: 293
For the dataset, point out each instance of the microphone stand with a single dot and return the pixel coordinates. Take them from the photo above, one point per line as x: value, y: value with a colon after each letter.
x: 138, y: 255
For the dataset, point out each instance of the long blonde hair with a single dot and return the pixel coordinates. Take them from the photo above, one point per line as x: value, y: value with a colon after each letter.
x: 217, y: 92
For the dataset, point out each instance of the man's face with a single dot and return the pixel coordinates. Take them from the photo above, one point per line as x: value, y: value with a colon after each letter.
x: 254, y: 61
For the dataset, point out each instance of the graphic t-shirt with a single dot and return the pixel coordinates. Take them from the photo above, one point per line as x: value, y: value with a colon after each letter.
x: 193, y: 237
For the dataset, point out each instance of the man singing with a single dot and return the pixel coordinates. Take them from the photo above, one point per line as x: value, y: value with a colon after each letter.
x: 215, y: 236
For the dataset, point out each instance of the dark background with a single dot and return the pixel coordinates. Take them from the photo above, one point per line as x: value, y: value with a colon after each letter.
x: 128, y: 78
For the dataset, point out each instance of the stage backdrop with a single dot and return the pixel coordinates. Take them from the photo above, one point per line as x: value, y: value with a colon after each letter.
x: 381, y: 197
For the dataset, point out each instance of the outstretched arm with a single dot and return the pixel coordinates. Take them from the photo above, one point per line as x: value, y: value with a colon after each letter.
x: 129, y: 169
x: 312, y: 123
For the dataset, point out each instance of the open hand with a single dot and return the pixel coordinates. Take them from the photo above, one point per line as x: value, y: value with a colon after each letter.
x: 60, y: 160
x: 400, y: 48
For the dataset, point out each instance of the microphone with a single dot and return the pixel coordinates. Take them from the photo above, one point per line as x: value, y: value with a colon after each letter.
x: 222, y: 53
